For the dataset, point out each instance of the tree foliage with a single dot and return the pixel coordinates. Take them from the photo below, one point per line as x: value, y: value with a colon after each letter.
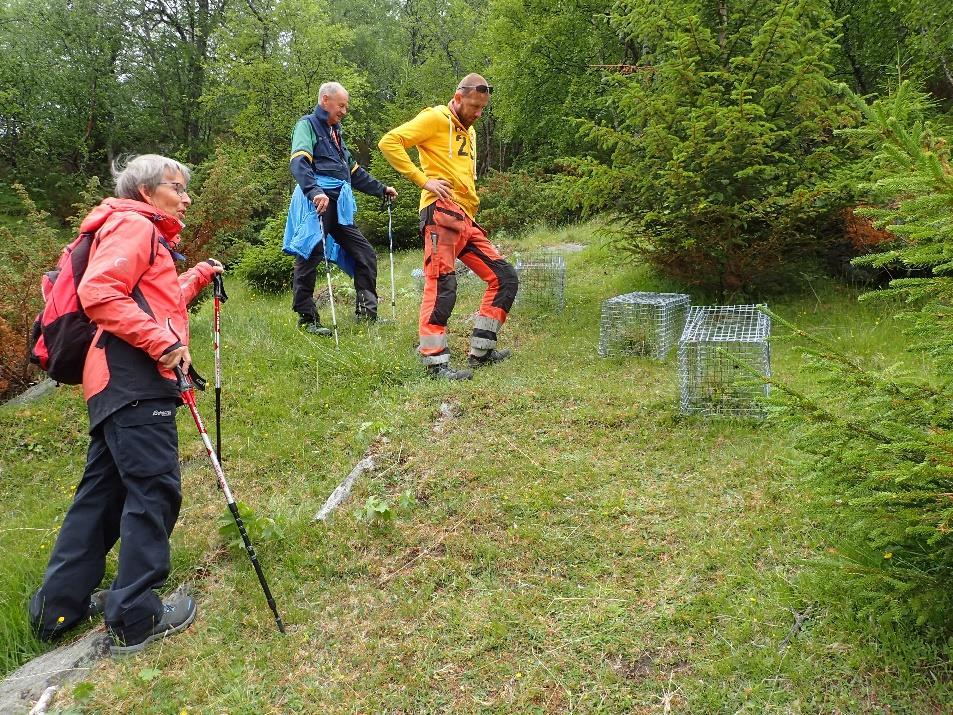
x: 547, y: 60
x: 911, y: 195
x: 721, y: 138
x: 882, y: 439
x: 26, y: 251
x: 881, y: 448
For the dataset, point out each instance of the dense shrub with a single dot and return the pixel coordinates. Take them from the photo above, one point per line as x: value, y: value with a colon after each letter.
x: 516, y: 200
x: 722, y: 140
x: 372, y: 216
x: 264, y: 267
x: 27, y: 250
x: 228, y: 192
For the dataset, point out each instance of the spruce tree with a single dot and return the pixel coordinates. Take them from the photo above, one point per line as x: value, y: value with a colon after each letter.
x: 721, y: 138
x: 881, y: 438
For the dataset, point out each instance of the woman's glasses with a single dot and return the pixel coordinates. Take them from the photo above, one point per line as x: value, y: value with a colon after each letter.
x: 176, y: 186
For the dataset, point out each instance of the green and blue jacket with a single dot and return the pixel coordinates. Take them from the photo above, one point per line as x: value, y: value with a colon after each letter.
x: 318, y: 149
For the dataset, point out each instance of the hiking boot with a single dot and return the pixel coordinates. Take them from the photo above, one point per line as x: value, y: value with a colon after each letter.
x: 443, y: 371
x: 313, y: 326
x: 178, y: 611
x: 97, y: 603
x: 492, y: 357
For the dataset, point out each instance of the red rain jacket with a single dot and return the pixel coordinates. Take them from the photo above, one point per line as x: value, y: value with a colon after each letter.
x: 130, y: 290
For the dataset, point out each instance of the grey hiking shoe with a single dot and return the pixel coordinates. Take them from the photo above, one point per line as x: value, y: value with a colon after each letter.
x: 314, y: 327
x: 443, y: 371
x: 178, y: 611
x: 492, y: 357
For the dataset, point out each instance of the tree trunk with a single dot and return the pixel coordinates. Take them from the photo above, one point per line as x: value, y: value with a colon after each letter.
x: 723, y: 29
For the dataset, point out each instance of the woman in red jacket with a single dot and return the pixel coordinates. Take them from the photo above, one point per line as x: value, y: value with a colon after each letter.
x: 130, y: 488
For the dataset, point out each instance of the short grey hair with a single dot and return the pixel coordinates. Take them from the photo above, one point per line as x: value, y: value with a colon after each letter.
x: 329, y: 89
x: 144, y: 170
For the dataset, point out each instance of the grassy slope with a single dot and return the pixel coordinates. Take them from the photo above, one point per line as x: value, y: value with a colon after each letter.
x: 572, y: 545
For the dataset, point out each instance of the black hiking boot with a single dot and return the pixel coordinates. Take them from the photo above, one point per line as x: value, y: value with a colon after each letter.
x: 313, y: 325
x: 443, y: 371
x: 491, y: 358
x: 178, y: 611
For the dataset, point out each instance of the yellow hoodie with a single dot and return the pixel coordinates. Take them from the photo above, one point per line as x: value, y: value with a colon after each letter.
x: 447, y: 151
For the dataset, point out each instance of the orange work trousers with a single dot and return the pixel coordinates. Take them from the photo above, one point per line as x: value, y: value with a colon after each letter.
x: 448, y: 234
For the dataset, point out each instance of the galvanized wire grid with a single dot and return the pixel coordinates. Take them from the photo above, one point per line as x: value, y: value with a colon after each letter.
x: 715, y: 339
x: 642, y: 324
x: 465, y: 277
x: 542, y: 277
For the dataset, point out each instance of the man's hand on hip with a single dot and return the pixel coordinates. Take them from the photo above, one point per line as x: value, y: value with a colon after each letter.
x: 440, y: 187
x: 321, y: 202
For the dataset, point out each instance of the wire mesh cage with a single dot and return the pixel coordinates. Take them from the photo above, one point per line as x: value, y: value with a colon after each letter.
x: 642, y: 324
x: 714, y: 341
x: 465, y: 277
x: 542, y: 276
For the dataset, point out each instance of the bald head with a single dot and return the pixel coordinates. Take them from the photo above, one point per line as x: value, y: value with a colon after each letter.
x: 470, y: 98
x: 473, y: 80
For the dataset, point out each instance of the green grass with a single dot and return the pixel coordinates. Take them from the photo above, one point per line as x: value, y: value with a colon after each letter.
x: 571, y: 544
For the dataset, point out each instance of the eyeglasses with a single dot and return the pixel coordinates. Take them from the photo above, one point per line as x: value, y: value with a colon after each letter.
x: 176, y: 186
x: 481, y: 88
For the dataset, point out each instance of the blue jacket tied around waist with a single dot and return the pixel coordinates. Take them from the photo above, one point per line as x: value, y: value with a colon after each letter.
x: 303, y: 230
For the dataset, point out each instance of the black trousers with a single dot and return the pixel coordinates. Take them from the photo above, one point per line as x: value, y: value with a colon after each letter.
x: 130, y: 491
x: 365, y: 269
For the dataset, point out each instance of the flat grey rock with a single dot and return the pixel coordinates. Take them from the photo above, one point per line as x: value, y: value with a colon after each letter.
x: 33, y: 393
x: 568, y: 248
x: 20, y: 690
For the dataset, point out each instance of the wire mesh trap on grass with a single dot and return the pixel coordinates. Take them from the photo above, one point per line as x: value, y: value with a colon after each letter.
x: 642, y: 324
x: 715, y: 339
x: 542, y: 277
x: 465, y: 277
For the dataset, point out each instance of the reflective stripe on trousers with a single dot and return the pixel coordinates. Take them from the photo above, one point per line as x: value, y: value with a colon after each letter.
x: 448, y: 234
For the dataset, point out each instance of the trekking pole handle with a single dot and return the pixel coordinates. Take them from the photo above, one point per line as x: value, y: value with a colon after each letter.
x: 218, y: 287
x: 182, y: 382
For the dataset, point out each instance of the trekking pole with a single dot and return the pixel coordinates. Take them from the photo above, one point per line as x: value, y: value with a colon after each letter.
x: 327, y: 273
x: 390, y: 241
x: 218, y: 290
x: 188, y: 397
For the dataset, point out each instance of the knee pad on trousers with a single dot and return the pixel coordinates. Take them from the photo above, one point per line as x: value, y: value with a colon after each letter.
x: 446, y: 299
x: 509, y: 284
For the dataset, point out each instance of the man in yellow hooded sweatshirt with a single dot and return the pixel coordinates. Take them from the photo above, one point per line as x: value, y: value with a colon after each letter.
x: 446, y: 142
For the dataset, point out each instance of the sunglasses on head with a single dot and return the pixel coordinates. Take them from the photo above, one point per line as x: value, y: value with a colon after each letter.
x: 481, y: 88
